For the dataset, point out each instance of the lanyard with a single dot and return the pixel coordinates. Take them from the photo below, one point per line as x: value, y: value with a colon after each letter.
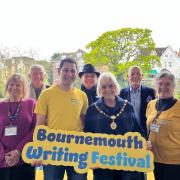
x: 13, y: 115
x: 157, y: 115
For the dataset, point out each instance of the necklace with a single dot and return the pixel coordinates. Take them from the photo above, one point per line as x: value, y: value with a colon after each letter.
x: 12, y: 116
x: 113, y: 125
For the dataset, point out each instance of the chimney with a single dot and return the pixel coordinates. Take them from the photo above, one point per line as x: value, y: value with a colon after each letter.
x: 178, y: 53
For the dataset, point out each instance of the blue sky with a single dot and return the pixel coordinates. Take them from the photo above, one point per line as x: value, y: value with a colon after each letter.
x: 48, y: 26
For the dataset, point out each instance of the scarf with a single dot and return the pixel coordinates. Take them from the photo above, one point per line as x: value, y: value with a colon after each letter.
x: 32, y: 93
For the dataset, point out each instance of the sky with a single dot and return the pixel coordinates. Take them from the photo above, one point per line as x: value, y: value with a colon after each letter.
x: 48, y: 26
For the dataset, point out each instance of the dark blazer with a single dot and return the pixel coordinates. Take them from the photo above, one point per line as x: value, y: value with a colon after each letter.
x: 147, y: 94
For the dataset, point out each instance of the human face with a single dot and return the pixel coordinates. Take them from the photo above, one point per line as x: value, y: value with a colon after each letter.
x: 165, y: 88
x: 15, y: 90
x: 135, y: 78
x: 67, y: 74
x: 89, y: 80
x: 37, y: 77
x: 108, y: 89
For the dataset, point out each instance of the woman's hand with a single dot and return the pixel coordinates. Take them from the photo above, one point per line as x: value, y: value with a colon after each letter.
x: 148, y: 145
x: 12, y: 158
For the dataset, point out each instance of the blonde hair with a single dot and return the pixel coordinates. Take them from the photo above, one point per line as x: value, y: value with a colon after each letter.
x: 17, y: 77
x: 108, y: 76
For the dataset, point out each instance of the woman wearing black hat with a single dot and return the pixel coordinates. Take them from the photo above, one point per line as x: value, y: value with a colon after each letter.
x: 89, y: 77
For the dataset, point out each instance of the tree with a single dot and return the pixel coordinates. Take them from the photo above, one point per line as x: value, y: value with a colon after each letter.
x: 121, y: 49
x: 55, y: 55
x: 4, y: 52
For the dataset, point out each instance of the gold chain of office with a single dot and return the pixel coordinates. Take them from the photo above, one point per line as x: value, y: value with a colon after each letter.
x: 113, y: 125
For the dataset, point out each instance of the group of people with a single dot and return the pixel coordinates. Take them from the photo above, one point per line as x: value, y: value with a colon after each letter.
x: 98, y: 106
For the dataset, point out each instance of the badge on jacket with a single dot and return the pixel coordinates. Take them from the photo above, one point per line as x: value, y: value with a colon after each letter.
x: 149, y: 98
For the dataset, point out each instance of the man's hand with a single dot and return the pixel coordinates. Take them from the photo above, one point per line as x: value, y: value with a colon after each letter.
x: 36, y: 163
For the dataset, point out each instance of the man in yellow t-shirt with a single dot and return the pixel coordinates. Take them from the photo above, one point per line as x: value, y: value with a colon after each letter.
x: 62, y: 106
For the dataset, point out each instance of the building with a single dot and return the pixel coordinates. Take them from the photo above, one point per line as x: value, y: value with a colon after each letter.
x: 14, y: 65
x: 169, y: 60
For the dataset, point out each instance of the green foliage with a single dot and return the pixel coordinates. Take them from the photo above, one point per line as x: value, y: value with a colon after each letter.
x: 1, y: 89
x: 121, y: 49
x: 55, y: 55
x: 178, y: 96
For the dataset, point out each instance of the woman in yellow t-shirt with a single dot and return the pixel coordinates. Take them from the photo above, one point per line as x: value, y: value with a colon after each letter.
x: 163, y: 123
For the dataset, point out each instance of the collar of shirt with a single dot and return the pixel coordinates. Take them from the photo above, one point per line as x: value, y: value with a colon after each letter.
x: 135, y: 91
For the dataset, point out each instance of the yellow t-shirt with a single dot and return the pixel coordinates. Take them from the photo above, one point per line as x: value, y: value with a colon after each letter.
x: 63, y: 109
x: 166, y: 143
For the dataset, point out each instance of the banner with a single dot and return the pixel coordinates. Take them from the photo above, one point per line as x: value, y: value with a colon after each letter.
x: 89, y: 150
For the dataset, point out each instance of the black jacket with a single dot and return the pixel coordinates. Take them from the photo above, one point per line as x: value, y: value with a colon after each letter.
x: 91, y: 94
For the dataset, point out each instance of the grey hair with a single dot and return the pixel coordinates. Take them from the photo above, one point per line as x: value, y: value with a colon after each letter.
x: 17, y: 77
x: 109, y: 76
x: 134, y: 67
x: 37, y: 66
x: 168, y: 74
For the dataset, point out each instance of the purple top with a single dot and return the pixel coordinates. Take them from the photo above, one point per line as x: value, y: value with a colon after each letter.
x: 25, y: 122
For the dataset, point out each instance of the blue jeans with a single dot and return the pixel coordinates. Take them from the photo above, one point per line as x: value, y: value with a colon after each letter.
x: 52, y: 172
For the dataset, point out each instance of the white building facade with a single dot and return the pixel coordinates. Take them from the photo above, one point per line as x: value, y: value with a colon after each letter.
x: 169, y: 60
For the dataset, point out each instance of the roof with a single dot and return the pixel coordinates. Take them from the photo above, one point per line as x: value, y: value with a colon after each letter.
x: 160, y: 51
x: 23, y: 58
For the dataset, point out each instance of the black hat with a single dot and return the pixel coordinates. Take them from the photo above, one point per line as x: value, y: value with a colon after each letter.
x: 88, y: 68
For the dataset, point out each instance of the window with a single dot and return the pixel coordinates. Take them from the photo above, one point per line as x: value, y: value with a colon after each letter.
x: 170, y: 64
x: 79, y: 55
x: 63, y: 57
